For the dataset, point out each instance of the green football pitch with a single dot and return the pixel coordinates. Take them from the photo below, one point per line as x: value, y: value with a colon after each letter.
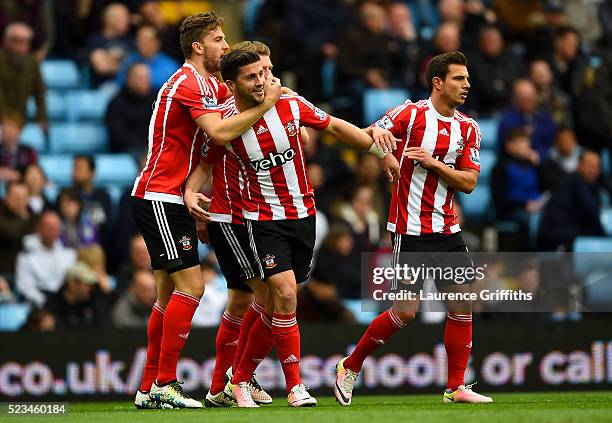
x: 522, y: 407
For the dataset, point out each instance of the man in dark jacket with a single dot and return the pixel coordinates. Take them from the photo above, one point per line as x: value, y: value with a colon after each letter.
x: 15, y: 222
x: 128, y: 114
x: 573, y: 209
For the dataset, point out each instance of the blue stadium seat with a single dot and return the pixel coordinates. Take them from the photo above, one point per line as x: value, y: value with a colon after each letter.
x: 377, y: 102
x: 488, y: 132
x: 592, y: 254
x: 87, y: 104
x: 477, y: 205
x: 250, y: 12
x: 12, y: 316
x: 58, y: 169
x: 363, y: 317
x: 78, y: 138
x: 33, y: 136
x: 56, y: 109
x: 60, y: 74
x: 488, y: 158
x: 606, y: 220
x: 115, y: 169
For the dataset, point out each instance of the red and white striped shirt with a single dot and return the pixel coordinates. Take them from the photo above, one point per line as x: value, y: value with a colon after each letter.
x: 421, y: 202
x: 276, y: 184
x: 175, y: 140
x: 226, y: 202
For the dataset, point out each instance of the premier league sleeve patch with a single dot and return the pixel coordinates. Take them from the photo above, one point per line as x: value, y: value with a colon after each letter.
x: 475, y: 156
x: 209, y: 103
x: 320, y: 114
x: 385, y: 122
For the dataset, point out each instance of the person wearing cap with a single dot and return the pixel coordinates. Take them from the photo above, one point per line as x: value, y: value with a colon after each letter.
x: 80, y: 303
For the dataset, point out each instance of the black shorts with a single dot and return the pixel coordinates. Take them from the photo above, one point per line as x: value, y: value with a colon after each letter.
x: 281, y: 245
x: 234, y: 254
x: 169, y: 232
x: 445, y: 255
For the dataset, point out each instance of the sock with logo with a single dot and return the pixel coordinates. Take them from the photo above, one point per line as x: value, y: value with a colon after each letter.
x: 258, y: 346
x: 458, y: 344
x: 250, y: 317
x: 155, y: 330
x: 226, y: 344
x: 177, y: 325
x: 286, y: 334
x: 379, y: 331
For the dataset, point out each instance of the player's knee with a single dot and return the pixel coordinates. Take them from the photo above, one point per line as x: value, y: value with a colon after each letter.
x: 238, y: 305
x: 405, y: 316
x: 285, y: 296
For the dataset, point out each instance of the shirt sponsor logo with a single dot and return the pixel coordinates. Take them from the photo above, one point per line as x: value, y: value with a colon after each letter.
x: 273, y: 160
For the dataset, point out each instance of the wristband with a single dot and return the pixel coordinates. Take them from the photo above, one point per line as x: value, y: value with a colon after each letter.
x: 376, y: 151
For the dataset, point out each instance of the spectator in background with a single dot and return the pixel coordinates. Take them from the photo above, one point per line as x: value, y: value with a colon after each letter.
x: 363, y: 60
x: 605, y: 19
x: 42, y: 265
x: 446, y: 39
x: 38, y: 15
x: 93, y: 255
x: 16, y: 221
x: 96, y: 201
x: 151, y: 14
x: 492, y: 71
x: 128, y: 114
x: 138, y: 260
x: 108, y: 48
x: 14, y: 157
x: 39, y: 320
x: 133, y: 308
x: 541, y: 39
x: 404, y: 43
x: 565, y: 61
x: 20, y: 75
x: 362, y: 218
x: 36, y: 180
x: 563, y: 159
x: 368, y: 174
x: 525, y: 114
x: 334, y: 263
x: 314, y: 27
x: 148, y: 45
x: 79, y: 304
x: 77, y: 229
x: 551, y: 99
x: 74, y: 21
x: 515, y: 185
x: 6, y: 293
x: 574, y: 207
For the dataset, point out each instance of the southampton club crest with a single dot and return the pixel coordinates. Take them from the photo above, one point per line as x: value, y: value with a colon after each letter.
x: 292, y: 130
x: 269, y: 261
x: 185, y: 242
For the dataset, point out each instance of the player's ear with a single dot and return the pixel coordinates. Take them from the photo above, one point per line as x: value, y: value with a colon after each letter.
x: 197, y: 47
x: 230, y: 84
x: 436, y: 82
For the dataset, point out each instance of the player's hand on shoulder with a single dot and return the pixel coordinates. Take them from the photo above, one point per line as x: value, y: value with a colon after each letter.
x: 384, y: 139
x: 196, y: 204
x: 272, y: 91
x: 390, y: 167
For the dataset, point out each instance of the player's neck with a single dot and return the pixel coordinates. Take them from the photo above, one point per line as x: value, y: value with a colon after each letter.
x: 442, y: 107
x: 199, y: 67
x: 242, y: 104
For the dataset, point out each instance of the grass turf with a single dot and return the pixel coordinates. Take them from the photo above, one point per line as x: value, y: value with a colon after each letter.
x: 520, y: 407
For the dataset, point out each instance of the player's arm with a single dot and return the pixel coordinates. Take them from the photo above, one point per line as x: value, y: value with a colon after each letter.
x: 355, y: 137
x: 223, y: 131
x: 383, y: 138
x: 463, y: 180
x: 193, y: 198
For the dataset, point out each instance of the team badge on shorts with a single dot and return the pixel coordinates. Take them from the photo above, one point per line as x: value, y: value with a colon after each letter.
x: 185, y: 241
x: 269, y: 261
x: 291, y: 129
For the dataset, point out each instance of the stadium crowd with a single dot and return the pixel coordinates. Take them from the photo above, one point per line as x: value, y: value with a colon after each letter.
x: 541, y: 88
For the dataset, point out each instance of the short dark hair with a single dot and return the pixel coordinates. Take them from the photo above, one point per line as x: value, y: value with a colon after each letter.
x: 195, y: 27
x: 563, y: 30
x: 90, y: 161
x: 515, y: 134
x: 438, y: 66
x: 255, y: 46
x: 234, y: 60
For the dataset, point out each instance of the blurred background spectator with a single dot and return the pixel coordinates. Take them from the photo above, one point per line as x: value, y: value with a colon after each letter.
x: 133, y: 308
x: 128, y: 114
x: 36, y: 180
x: 150, y: 13
x: 16, y: 221
x: 213, y: 303
x: 14, y: 157
x: 20, y: 75
x: 42, y: 265
x: 77, y: 229
x: 138, y: 260
x: 38, y: 15
x: 40, y: 319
